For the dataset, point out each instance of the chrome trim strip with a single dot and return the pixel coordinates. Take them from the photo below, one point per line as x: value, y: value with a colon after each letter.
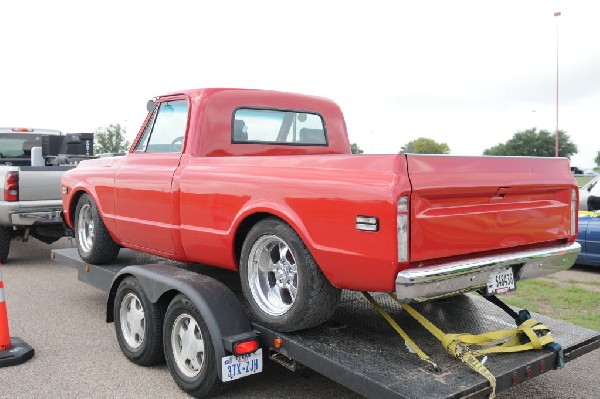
x: 367, y: 223
x: 588, y: 242
x: 421, y: 284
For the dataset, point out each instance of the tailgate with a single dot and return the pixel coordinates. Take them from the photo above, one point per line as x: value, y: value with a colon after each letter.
x: 41, y: 183
x: 465, y: 205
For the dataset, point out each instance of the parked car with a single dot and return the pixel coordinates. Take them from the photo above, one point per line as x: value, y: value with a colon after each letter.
x: 584, y: 193
x: 589, y: 239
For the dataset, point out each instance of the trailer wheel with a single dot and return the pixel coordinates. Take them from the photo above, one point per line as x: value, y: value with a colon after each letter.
x: 138, y: 324
x: 281, y: 281
x: 189, y: 350
x: 5, y: 237
x: 94, y: 243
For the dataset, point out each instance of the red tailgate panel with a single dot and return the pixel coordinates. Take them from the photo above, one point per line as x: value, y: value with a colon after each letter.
x: 465, y: 205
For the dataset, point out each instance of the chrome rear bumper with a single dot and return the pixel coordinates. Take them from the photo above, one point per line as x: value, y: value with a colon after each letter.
x: 453, y: 278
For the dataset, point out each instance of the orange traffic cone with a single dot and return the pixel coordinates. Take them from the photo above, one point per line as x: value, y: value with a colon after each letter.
x: 12, y: 350
x: 4, y: 334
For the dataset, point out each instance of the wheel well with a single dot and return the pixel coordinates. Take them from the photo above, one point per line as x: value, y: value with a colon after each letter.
x: 164, y: 300
x: 244, y: 228
x: 110, y: 316
x: 74, y: 201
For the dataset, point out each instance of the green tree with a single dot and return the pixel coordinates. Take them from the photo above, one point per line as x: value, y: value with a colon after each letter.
x: 597, y: 160
x: 535, y: 143
x: 110, y: 139
x: 424, y: 145
x: 356, y: 149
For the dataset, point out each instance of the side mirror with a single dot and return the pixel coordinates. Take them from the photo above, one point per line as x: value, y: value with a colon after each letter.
x: 150, y: 105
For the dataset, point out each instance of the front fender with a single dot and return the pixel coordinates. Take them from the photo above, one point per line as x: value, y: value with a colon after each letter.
x: 70, y: 202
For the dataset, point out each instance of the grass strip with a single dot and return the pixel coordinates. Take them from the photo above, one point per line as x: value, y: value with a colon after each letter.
x: 581, y: 180
x: 574, y: 304
x: 594, y: 283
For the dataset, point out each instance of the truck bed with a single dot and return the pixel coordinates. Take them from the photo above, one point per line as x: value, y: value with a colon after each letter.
x: 359, y: 350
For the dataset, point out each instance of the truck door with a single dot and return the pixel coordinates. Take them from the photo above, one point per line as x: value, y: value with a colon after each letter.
x: 143, y: 194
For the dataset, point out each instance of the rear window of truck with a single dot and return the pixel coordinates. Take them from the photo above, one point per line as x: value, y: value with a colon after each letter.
x: 18, y: 145
x: 282, y: 127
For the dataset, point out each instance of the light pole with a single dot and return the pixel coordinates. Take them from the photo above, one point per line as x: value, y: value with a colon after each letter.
x: 556, y: 14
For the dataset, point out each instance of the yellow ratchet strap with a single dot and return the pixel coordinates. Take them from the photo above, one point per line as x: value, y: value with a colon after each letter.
x: 458, y: 345
x: 422, y: 355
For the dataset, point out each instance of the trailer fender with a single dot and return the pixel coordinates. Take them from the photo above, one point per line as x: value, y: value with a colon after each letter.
x: 221, y: 310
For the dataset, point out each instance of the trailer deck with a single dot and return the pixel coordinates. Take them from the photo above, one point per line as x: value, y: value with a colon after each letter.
x: 359, y: 350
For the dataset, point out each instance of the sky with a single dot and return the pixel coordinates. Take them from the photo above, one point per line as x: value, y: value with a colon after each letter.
x: 467, y: 73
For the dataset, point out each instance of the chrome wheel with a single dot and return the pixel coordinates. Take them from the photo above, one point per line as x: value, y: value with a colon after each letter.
x: 133, y: 321
x: 188, y: 345
x: 85, y: 227
x: 272, y: 275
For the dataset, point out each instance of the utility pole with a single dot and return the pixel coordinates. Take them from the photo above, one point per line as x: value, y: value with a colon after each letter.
x: 556, y: 14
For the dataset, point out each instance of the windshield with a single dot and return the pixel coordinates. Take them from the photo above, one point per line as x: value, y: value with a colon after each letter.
x: 18, y: 145
x: 589, y: 185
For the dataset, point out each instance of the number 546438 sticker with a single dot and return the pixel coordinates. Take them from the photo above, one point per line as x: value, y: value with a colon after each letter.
x: 501, y: 280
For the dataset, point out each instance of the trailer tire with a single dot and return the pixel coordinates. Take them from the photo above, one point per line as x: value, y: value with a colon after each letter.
x: 5, y: 238
x: 184, y: 332
x: 94, y: 243
x: 282, y: 283
x: 138, y: 324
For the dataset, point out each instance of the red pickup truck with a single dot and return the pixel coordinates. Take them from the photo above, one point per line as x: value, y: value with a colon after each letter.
x: 264, y: 182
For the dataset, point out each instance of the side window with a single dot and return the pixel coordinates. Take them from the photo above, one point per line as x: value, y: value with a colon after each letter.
x: 278, y: 127
x: 165, y: 131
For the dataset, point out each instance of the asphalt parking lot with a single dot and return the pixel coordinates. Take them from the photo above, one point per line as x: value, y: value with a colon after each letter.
x: 77, y: 355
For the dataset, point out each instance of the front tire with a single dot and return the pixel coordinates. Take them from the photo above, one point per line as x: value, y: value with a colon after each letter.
x: 5, y: 238
x: 189, y: 349
x: 138, y: 324
x: 283, y: 285
x: 94, y: 243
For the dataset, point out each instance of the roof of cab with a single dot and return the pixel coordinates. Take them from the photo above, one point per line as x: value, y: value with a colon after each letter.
x: 208, y: 92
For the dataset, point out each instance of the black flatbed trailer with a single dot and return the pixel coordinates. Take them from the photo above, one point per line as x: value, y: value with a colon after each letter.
x: 359, y: 350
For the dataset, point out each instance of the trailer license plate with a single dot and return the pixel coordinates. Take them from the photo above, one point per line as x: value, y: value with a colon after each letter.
x: 501, y: 280
x: 234, y: 367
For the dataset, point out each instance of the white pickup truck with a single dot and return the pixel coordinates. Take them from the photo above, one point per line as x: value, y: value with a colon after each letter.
x: 32, y: 162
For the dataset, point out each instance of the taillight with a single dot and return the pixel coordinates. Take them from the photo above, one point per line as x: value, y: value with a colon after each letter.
x: 574, y: 207
x: 21, y: 129
x: 11, y: 187
x: 402, y: 220
x: 245, y: 347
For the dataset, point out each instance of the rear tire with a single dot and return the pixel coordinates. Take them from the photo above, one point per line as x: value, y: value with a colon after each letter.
x: 94, y: 243
x: 189, y: 350
x: 138, y: 324
x: 5, y: 238
x: 283, y: 285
